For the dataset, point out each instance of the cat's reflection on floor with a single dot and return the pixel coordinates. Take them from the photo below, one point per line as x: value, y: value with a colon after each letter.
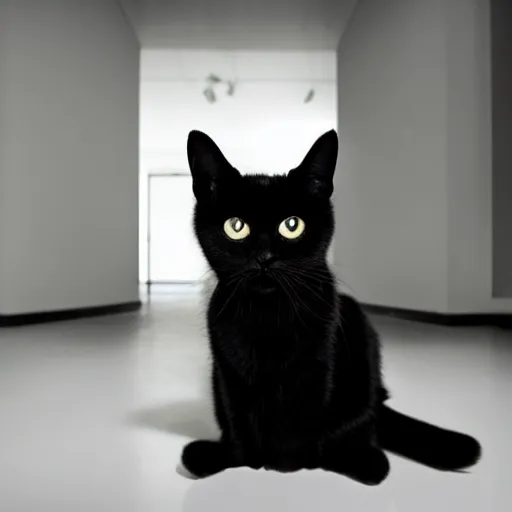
x: 304, y: 491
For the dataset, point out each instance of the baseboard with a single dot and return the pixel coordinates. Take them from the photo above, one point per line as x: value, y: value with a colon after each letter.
x: 67, y: 314
x: 503, y: 321
x: 165, y: 283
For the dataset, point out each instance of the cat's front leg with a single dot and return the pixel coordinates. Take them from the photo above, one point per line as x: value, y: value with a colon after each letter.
x: 234, y: 402
x: 289, y: 457
x: 246, y: 453
x: 204, y: 458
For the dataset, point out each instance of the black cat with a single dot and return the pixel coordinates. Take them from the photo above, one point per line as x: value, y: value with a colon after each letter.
x: 296, y: 365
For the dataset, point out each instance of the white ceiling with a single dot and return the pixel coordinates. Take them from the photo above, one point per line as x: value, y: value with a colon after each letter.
x: 240, y: 24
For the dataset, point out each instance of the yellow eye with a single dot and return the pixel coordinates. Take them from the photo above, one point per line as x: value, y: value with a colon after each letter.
x: 292, y: 227
x: 236, y: 228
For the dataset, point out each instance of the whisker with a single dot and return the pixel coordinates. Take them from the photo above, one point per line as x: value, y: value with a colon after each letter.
x: 301, y: 282
x: 314, y: 292
x: 339, y: 318
x: 230, y: 298
x: 287, y: 289
x: 301, y: 302
x: 311, y: 274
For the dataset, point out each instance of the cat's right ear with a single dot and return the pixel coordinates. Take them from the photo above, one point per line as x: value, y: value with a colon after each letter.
x: 316, y: 172
x: 209, y: 167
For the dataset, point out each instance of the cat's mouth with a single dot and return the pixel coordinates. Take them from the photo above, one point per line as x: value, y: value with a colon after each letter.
x: 263, y: 283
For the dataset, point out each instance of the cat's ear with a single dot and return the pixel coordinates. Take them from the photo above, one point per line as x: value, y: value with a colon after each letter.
x: 316, y: 172
x: 209, y: 167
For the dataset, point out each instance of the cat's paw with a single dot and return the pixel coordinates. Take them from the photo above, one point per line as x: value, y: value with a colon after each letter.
x: 205, y: 458
x: 285, y: 465
x: 374, y: 468
x: 290, y: 461
x: 369, y: 465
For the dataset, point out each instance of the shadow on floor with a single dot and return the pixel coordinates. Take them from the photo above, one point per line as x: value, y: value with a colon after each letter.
x: 193, y: 419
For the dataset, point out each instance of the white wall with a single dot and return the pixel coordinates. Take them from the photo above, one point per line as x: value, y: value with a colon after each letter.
x: 264, y: 127
x: 3, y: 137
x: 414, y: 205
x: 391, y: 205
x: 69, y: 155
x: 469, y: 157
x: 501, y: 23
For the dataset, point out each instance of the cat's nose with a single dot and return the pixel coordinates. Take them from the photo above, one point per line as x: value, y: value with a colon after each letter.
x: 265, y: 259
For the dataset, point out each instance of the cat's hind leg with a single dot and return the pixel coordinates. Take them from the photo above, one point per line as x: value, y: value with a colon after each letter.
x: 361, y: 461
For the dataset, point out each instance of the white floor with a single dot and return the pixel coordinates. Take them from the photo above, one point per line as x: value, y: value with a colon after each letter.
x: 93, y: 416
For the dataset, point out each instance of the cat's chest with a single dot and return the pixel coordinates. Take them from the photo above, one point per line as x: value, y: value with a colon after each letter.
x: 268, y: 346
x: 283, y: 403
x: 268, y: 342
x: 259, y: 325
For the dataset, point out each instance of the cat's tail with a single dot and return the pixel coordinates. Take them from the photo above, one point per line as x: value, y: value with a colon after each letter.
x: 426, y: 443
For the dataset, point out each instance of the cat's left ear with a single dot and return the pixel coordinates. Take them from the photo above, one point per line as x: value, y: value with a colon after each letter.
x: 316, y: 172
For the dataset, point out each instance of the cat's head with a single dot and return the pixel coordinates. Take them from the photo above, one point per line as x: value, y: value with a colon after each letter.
x: 260, y: 228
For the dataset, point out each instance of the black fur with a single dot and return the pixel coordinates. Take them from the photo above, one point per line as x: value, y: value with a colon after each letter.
x: 296, y: 365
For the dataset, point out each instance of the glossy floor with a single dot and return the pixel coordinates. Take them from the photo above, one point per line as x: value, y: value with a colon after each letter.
x: 94, y: 413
